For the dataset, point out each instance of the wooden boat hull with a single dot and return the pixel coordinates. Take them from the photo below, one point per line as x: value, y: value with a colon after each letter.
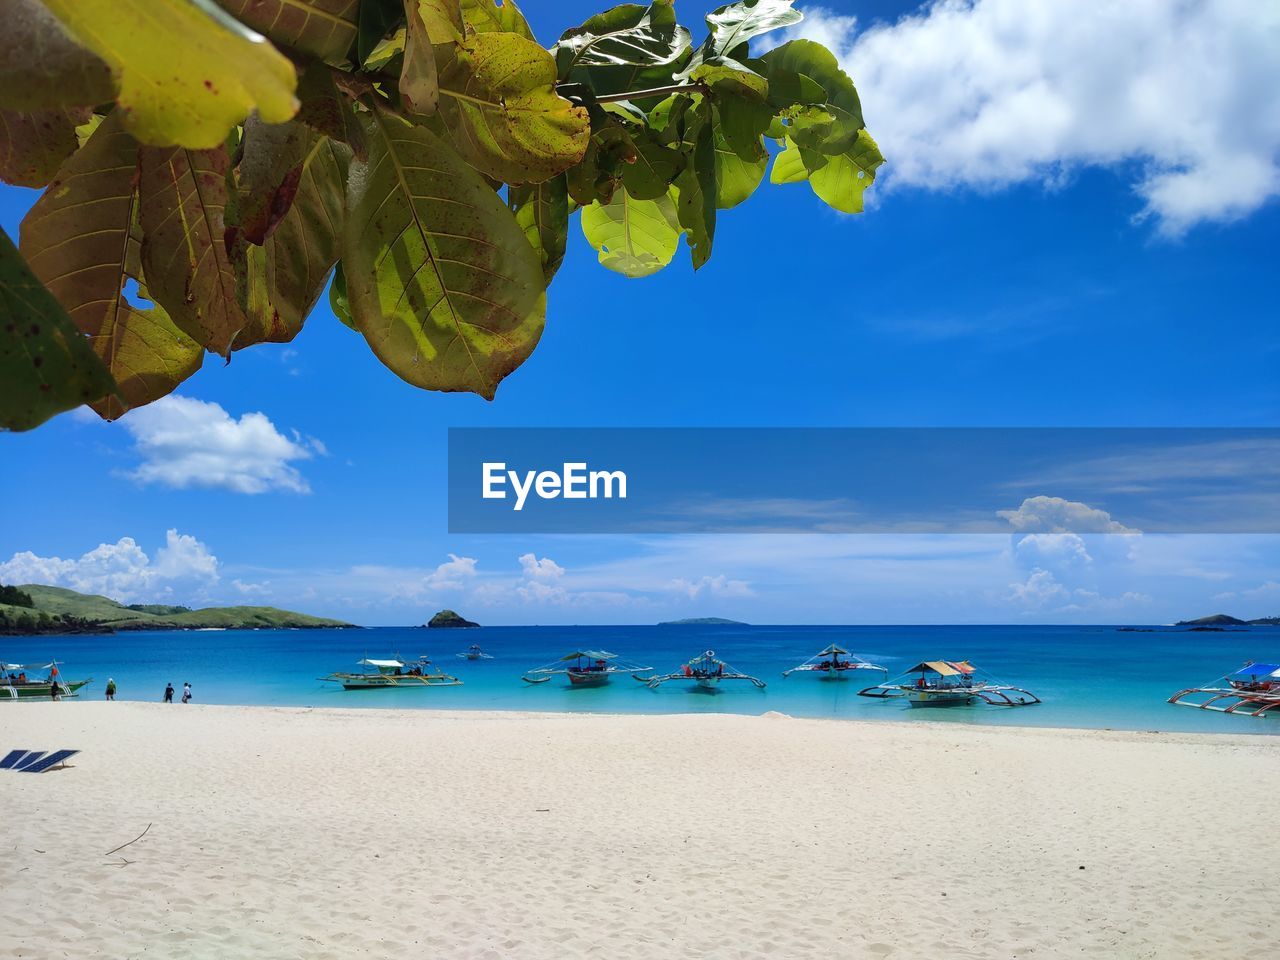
x: 939, y: 698
x: 40, y: 691
x: 588, y: 679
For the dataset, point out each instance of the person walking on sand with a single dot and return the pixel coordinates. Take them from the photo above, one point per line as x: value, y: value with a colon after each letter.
x: 186, y: 693
x: 168, y: 693
x: 111, y: 688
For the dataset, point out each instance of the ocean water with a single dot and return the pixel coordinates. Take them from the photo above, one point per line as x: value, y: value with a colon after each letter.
x: 1092, y: 677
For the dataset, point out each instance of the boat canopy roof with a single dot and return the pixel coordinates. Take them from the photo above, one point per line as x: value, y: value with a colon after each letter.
x: 29, y: 666
x: 1259, y: 670
x: 380, y: 663
x: 944, y: 668
x: 832, y: 649
x: 589, y: 655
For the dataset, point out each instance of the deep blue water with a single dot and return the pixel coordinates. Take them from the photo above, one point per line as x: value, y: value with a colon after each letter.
x: 1087, y: 676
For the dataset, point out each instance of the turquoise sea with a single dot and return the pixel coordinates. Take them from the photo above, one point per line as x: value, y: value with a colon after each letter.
x: 1096, y: 677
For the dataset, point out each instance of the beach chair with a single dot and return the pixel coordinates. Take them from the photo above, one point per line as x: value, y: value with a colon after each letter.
x: 35, y: 761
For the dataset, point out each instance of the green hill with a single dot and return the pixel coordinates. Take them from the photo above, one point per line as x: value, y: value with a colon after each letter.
x: 57, y: 609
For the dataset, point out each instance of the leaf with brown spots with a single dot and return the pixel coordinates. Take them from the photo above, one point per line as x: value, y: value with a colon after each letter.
x: 319, y: 28
x: 184, y: 254
x: 42, y: 67
x: 46, y: 364
x: 83, y: 243
x: 439, y: 276
x: 33, y: 144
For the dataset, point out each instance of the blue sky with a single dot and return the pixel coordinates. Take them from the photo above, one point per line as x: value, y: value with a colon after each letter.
x: 1063, y: 236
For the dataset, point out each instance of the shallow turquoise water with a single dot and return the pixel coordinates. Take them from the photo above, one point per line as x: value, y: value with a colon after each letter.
x: 1094, y: 677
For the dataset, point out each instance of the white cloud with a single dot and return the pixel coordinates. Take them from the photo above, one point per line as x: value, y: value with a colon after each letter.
x: 1052, y: 549
x: 1039, y: 590
x: 453, y: 574
x: 122, y: 570
x: 191, y: 443
x: 544, y: 569
x: 981, y: 94
x: 1056, y: 515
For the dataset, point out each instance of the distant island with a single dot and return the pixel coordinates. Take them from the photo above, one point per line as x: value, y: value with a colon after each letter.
x: 34, y: 608
x: 447, y: 619
x: 703, y: 622
x: 1223, y: 620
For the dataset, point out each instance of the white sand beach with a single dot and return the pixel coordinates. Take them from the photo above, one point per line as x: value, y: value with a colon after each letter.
x: 350, y: 833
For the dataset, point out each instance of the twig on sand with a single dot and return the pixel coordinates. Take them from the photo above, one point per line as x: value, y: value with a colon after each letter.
x: 123, y: 845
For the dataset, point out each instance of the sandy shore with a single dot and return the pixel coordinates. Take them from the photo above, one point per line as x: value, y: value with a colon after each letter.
x: 329, y: 833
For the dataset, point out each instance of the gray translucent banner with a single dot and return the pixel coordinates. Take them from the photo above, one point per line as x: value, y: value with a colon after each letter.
x: 864, y: 480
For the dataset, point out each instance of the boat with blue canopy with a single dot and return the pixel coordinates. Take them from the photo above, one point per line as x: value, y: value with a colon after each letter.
x: 395, y: 672
x: 1252, y: 691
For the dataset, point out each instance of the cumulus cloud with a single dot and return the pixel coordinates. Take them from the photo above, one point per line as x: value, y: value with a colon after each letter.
x: 1042, y: 591
x: 544, y: 569
x: 190, y: 443
x: 981, y: 94
x: 1052, y: 549
x: 122, y: 570
x: 453, y: 574
x: 1056, y: 515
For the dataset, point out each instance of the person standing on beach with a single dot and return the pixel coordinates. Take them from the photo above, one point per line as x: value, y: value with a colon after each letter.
x: 186, y: 693
x: 111, y: 689
x: 168, y: 693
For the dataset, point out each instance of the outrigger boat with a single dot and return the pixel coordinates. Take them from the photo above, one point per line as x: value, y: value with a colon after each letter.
x: 15, y: 684
x: 584, y: 668
x: 949, y: 683
x: 393, y: 673
x: 834, y: 663
x: 705, y: 671
x: 1253, y: 690
x: 474, y: 652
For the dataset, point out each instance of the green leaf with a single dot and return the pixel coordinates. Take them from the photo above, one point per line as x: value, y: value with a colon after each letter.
x: 654, y: 169
x: 184, y: 255
x: 610, y: 151
x: 486, y: 16
x: 440, y: 278
x: 741, y: 123
x: 375, y: 21
x: 736, y: 179
x: 838, y: 131
x: 633, y: 237
x: 842, y: 180
x: 542, y: 211
x: 188, y: 71
x: 736, y: 23
x: 498, y: 99
x: 41, y: 66
x: 34, y: 144
x: 279, y: 281
x: 626, y: 36
x: 788, y: 166
x: 319, y: 28
x: 696, y: 189
x: 338, y: 301
x: 327, y: 111
x: 46, y: 364
x: 83, y: 242
x: 419, y: 84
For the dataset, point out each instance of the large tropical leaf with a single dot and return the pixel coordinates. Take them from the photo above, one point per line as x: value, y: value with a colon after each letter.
x: 498, y: 98
x: 542, y: 211
x: 282, y: 277
x: 188, y: 71
x: 439, y: 277
x: 629, y: 35
x: 184, y: 252
x: 46, y: 364
x: 696, y: 189
x: 419, y: 84
x: 736, y: 179
x: 788, y: 166
x: 842, y: 180
x: 734, y: 24
x: 799, y: 64
x: 83, y: 242
x: 34, y: 143
x: 41, y: 66
x: 487, y: 16
x: 633, y: 237
x: 319, y: 28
